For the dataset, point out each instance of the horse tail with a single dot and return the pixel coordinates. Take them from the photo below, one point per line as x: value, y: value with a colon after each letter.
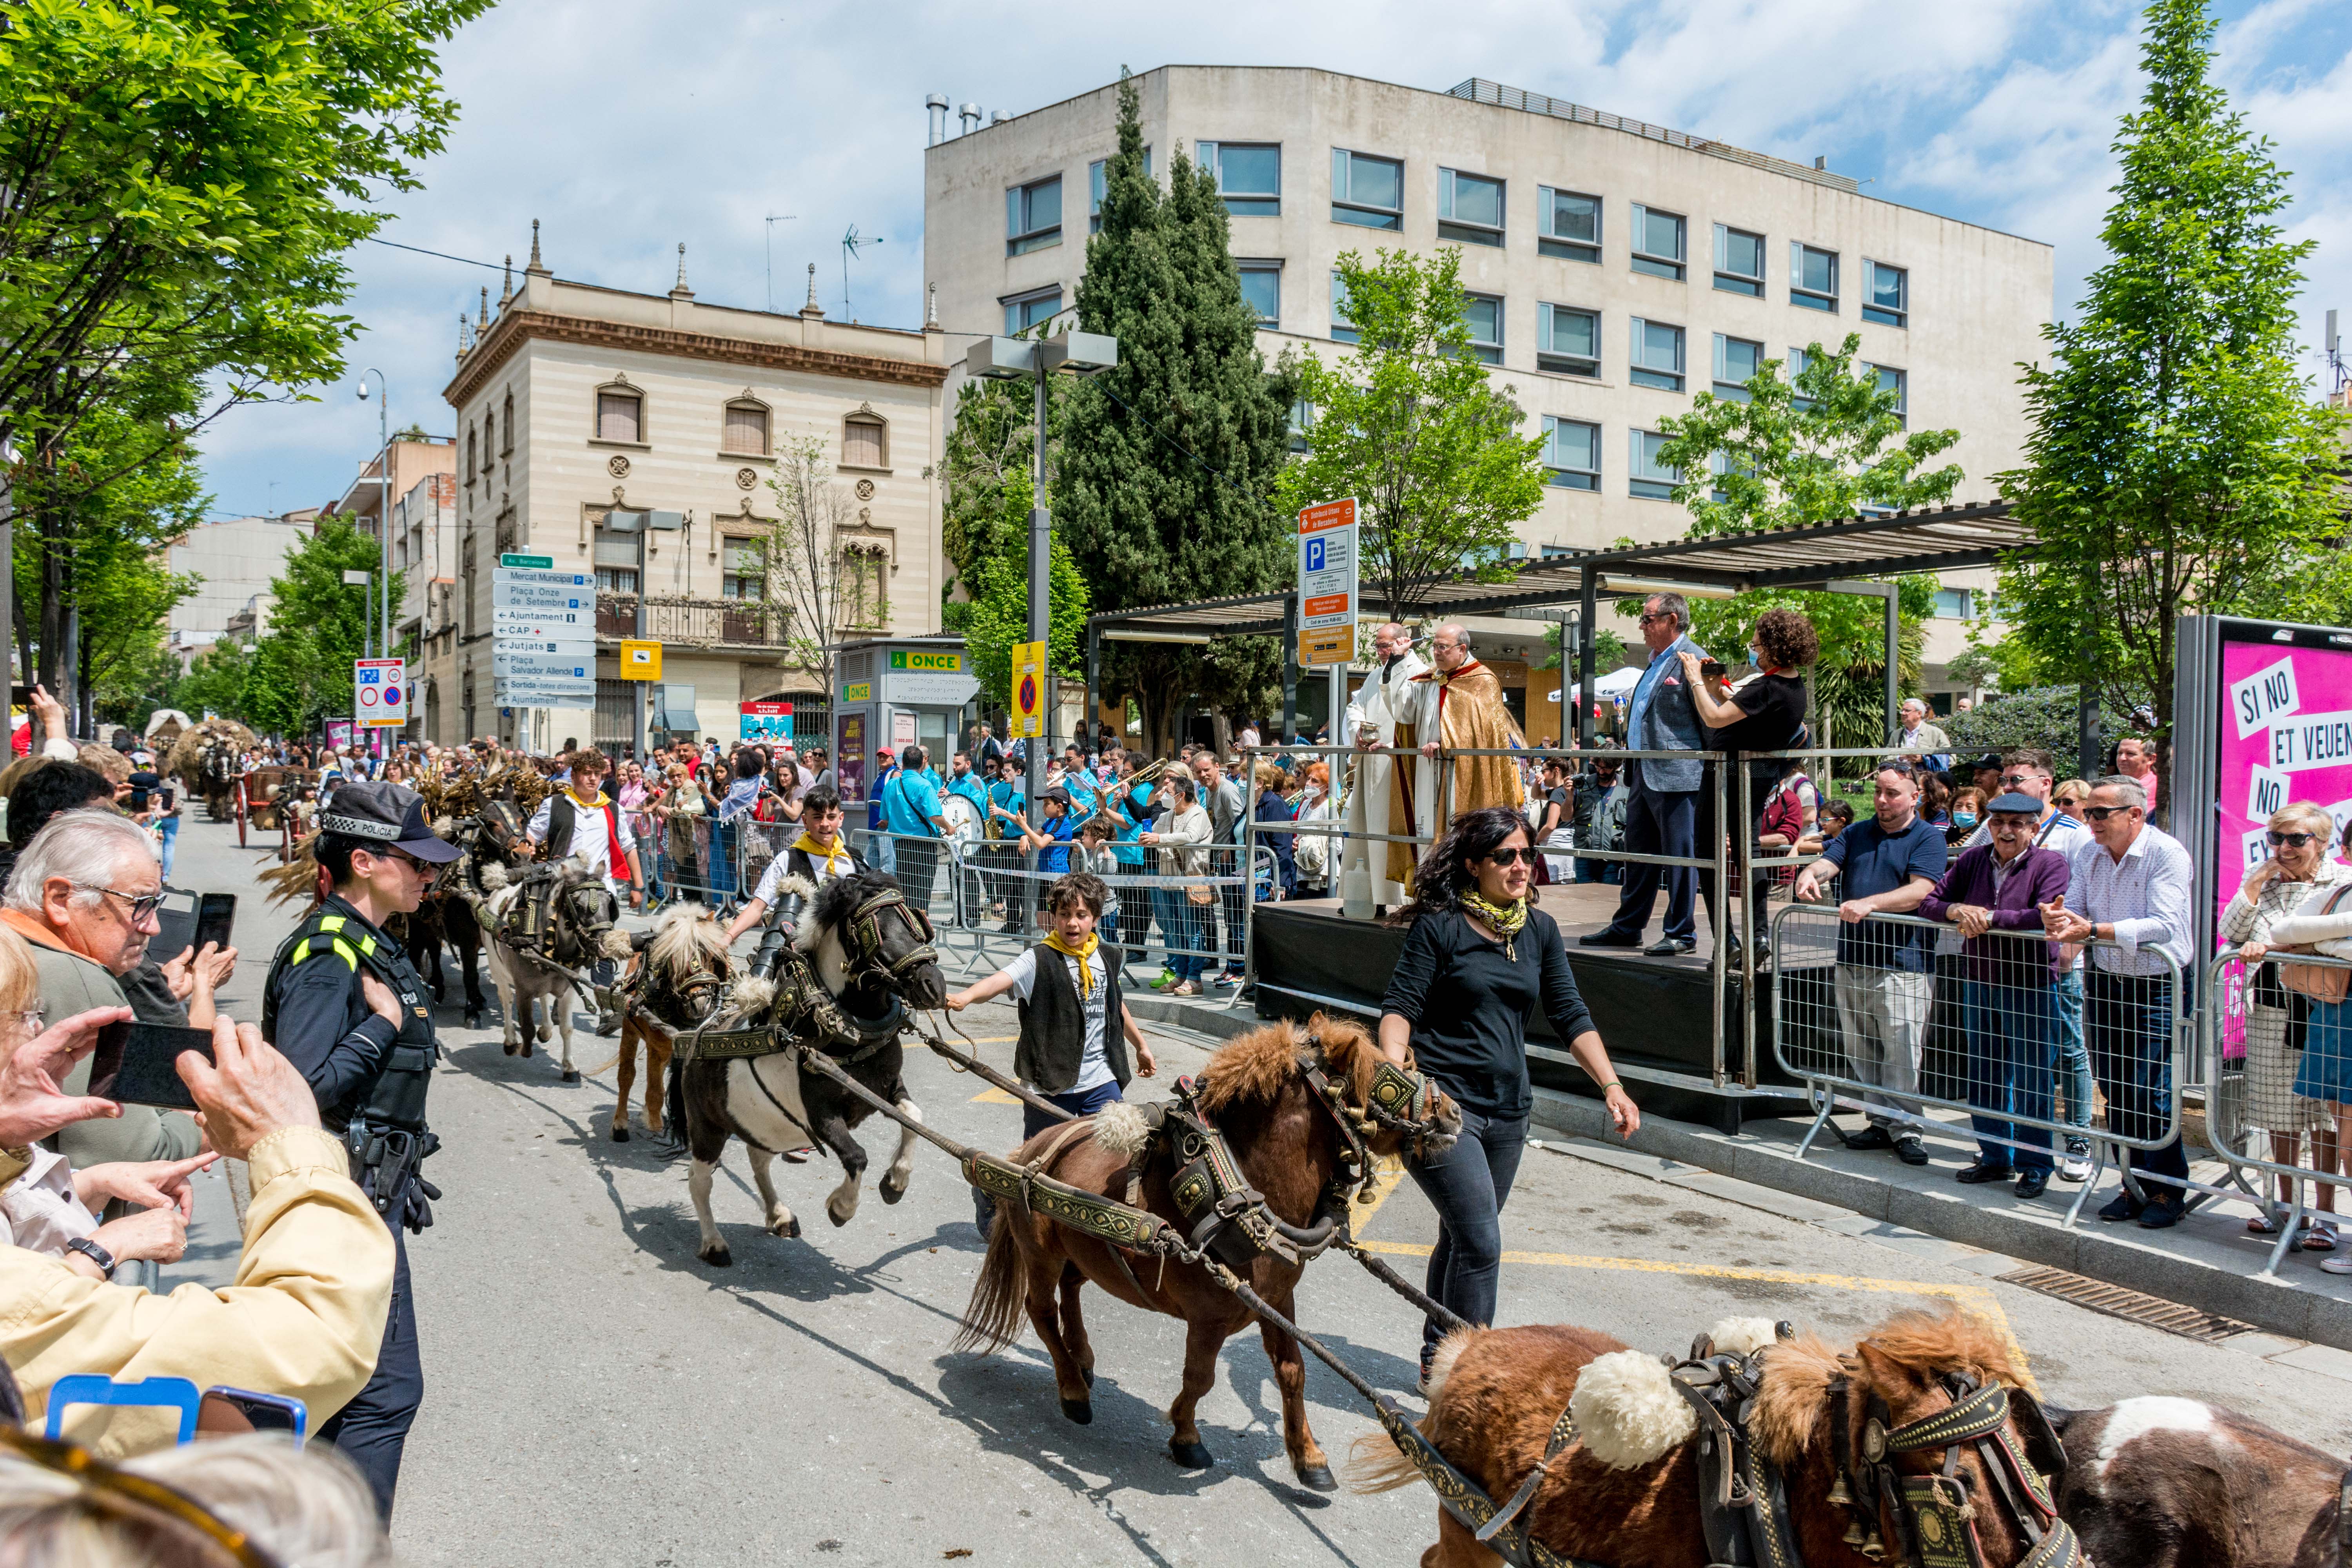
x: 1375, y: 1463
x: 993, y: 1320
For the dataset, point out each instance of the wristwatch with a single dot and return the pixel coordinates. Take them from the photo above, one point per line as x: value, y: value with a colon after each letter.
x: 95, y: 1253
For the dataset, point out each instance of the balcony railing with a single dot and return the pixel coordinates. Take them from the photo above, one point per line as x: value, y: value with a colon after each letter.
x: 695, y: 623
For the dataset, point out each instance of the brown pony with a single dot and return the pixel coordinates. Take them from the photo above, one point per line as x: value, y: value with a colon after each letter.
x: 1288, y: 1146
x: 674, y: 983
x: 2160, y: 1482
x: 1494, y: 1394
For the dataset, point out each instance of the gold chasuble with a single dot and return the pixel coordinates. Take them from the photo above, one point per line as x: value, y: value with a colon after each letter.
x: 1463, y: 710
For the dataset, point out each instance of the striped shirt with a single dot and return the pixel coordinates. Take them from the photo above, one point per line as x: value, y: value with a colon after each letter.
x: 2145, y: 896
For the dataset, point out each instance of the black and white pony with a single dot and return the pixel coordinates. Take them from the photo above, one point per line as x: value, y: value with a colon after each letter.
x: 871, y: 953
x: 582, y: 928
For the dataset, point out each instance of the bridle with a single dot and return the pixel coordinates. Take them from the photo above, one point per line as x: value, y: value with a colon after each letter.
x: 1397, y: 1101
x: 861, y: 935
x: 588, y: 910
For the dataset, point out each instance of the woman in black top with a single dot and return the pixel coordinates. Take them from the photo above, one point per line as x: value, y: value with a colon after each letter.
x: 1479, y: 959
x: 1767, y: 714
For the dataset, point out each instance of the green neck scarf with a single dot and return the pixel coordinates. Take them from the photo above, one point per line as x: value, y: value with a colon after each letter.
x: 1505, y: 919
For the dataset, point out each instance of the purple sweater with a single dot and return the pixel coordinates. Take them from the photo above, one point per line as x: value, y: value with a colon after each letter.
x: 2040, y: 876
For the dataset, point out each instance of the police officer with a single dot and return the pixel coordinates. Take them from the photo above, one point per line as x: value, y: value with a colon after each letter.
x: 343, y: 1005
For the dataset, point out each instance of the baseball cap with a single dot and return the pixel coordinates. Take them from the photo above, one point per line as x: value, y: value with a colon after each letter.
x: 385, y: 816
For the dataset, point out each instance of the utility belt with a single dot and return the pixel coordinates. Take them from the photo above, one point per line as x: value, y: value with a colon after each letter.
x: 385, y: 1163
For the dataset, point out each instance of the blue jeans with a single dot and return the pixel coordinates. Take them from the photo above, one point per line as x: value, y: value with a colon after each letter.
x: 1468, y: 1186
x: 1077, y: 1103
x: 1611, y: 872
x: 170, y: 826
x: 2012, y: 1033
x: 2128, y: 1024
x: 722, y: 861
x: 1179, y: 926
x: 2075, y: 1082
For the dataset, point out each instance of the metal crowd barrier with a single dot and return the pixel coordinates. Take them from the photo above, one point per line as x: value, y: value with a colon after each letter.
x: 2257, y: 1103
x: 1978, y: 1032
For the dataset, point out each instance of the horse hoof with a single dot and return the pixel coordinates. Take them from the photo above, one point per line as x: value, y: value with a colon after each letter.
x: 1089, y: 1376
x: 620, y: 1134
x: 892, y: 1191
x: 510, y: 1046
x: 718, y: 1257
x: 1317, y: 1478
x: 1081, y: 1411
x: 838, y: 1219
x: 571, y: 1075
x: 1192, y: 1456
x: 790, y: 1230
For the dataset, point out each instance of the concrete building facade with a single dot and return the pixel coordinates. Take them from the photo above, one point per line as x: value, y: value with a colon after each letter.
x: 574, y: 399
x: 1614, y: 268
x: 234, y: 560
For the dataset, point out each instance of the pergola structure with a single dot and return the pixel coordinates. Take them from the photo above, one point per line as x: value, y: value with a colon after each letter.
x: 1837, y: 556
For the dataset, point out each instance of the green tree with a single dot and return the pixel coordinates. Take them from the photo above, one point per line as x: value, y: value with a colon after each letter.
x: 1000, y: 609
x: 215, y: 682
x: 300, y: 671
x: 1164, y: 471
x: 2177, y: 462
x: 1411, y: 425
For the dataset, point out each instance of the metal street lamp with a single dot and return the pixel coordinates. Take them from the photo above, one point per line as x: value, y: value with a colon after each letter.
x: 383, y: 495
x: 1012, y: 359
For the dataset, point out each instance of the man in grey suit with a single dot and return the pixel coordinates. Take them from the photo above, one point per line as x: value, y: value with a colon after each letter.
x: 1662, y: 813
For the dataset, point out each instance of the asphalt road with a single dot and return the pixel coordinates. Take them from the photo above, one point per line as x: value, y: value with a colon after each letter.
x: 596, y: 1396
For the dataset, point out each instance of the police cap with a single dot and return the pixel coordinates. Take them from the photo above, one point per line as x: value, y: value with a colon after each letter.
x: 382, y: 816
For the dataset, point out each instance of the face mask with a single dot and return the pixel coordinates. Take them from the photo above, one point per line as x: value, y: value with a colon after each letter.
x: 1964, y: 819
x: 1755, y: 658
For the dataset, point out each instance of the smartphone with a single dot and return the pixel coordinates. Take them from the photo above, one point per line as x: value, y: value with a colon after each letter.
x: 215, y: 918
x: 226, y: 1411
x: 1712, y: 668
x: 138, y: 1063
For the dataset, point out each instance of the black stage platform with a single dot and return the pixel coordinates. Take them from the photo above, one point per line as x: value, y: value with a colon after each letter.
x: 1657, y: 1015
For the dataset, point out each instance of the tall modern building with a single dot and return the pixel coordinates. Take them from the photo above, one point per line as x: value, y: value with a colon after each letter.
x: 1614, y: 269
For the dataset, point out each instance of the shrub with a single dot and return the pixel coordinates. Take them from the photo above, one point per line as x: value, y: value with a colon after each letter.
x: 2041, y: 716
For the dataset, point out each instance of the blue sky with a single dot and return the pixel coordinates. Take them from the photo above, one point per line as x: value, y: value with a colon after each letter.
x: 628, y: 129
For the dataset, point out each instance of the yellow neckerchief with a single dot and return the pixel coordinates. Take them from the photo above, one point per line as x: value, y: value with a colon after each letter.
x: 1507, y: 920
x: 595, y: 805
x: 1082, y: 952
x: 838, y: 850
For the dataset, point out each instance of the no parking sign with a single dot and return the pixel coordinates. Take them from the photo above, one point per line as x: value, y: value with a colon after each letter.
x: 380, y: 691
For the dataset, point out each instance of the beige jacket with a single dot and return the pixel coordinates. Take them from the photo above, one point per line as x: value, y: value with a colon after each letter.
x: 304, y: 1316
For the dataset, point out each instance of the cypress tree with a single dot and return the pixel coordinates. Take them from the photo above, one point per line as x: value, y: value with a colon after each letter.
x: 1164, y: 475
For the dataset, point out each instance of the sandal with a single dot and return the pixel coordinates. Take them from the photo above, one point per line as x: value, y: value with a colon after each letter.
x: 2265, y: 1223
x: 1185, y: 988
x: 2319, y: 1235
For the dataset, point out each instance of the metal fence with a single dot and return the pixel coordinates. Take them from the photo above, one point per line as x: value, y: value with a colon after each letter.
x: 2278, y: 1041
x: 1892, y: 1015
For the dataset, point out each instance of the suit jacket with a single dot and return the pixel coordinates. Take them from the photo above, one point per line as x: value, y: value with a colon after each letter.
x: 1669, y: 721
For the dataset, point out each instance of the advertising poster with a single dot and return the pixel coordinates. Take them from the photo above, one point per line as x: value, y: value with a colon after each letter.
x: 765, y: 721
x: 849, y: 755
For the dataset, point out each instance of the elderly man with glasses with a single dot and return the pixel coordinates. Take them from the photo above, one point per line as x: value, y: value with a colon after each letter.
x: 85, y: 894
x: 1662, y: 813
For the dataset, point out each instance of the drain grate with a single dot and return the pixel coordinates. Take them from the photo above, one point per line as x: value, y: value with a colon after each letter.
x: 2133, y: 1306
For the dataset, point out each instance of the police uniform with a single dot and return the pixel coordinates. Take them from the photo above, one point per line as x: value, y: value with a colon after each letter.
x: 370, y: 1077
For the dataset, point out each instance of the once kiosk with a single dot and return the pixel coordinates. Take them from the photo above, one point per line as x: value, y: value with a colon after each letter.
x: 894, y: 692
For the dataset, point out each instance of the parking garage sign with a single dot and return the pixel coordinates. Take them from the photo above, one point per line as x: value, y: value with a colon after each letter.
x: 1326, y: 582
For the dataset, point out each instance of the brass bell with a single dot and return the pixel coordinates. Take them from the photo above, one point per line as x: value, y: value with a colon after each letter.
x: 1873, y: 1548
x: 1839, y: 1493
x: 1854, y: 1537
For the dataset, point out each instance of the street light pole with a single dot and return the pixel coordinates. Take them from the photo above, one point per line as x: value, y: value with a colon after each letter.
x: 383, y: 504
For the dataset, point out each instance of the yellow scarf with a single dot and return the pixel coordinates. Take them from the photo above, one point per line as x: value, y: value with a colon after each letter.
x: 1082, y: 952
x: 595, y: 805
x: 837, y: 851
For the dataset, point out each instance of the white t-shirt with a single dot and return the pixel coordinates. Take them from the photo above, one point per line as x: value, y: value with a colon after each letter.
x: 823, y: 871
x: 1095, y: 1069
x: 590, y: 842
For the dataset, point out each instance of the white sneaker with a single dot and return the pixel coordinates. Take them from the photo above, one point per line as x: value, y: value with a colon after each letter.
x: 2338, y: 1264
x: 2074, y: 1167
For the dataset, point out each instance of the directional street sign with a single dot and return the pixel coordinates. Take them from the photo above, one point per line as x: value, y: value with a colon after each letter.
x: 543, y: 662
x: 568, y: 626
x: 543, y: 624
x: 380, y: 691
x: 542, y: 562
x: 1326, y: 582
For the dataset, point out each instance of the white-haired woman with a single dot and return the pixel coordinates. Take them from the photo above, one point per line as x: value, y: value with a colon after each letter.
x: 2300, y: 877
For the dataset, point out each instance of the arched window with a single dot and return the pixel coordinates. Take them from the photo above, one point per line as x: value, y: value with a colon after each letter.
x: 489, y: 439
x: 745, y: 432
x: 509, y: 427
x: 620, y: 413
x: 865, y: 441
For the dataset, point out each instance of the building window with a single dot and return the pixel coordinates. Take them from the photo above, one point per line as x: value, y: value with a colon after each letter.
x: 1248, y: 175
x: 1651, y: 479
x: 469, y: 454
x: 1740, y: 261
x: 743, y: 568
x: 1954, y: 605
x: 1885, y: 294
x: 1657, y: 355
x: 1302, y: 420
x: 1721, y: 464
x: 1571, y: 454
x: 1797, y: 363
x: 1555, y: 553
x: 1469, y: 208
x: 1568, y: 225
x: 1343, y: 331
x: 1022, y: 311
x: 1813, y: 278
x: 1482, y: 314
x: 864, y: 442
x: 1032, y: 215
x: 1568, y: 340
x: 1735, y: 360
x: 1896, y: 382
x: 1366, y: 191
x: 1099, y: 185
x: 508, y: 450
x: 616, y: 560
x: 620, y: 416
x: 1262, y: 289
x: 746, y: 430
x: 864, y: 585
x: 1660, y: 242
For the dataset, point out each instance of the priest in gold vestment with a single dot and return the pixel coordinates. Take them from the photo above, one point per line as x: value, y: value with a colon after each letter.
x: 1456, y: 706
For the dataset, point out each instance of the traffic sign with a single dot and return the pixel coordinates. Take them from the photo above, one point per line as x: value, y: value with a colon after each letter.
x: 640, y: 660
x: 568, y: 626
x: 1327, y: 581
x: 380, y: 691
x: 540, y: 561
x: 543, y: 662
x: 1028, y: 719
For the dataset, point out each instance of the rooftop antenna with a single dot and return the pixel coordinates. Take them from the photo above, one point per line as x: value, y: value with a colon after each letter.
x: 2336, y: 356
x: 851, y: 244
x: 772, y: 220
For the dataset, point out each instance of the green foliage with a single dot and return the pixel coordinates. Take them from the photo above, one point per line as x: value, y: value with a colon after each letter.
x: 999, y: 614
x: 987, y: 446
x: 1974, y: 666
x: 1410, y: 425
x: 2043, y: 716
x: 215, y: 682
x: 300, y: 671
x: 1163, y: 468
x: 2177, y: 462
x: 178, y: 182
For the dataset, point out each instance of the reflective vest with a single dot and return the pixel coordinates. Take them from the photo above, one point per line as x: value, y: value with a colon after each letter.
x: 396, y: 1098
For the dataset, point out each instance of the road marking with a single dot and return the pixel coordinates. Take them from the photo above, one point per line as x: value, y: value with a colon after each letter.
x: 995, y: 1097
x: 1977, y: 1298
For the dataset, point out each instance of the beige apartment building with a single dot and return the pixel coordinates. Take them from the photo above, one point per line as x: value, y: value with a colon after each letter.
x: 573, y: 399
x: 234, y: 560
x: 1614, y: 268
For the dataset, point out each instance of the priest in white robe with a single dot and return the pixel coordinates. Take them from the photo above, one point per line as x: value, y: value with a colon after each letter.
x: 1386, y: 701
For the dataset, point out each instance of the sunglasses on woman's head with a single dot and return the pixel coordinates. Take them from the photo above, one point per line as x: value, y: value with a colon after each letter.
x: 1512, y: 857
x: 2295, y: 840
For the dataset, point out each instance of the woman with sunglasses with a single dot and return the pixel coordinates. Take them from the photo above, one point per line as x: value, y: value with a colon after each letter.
x: 2301, y: 894
x: 1479, y: 959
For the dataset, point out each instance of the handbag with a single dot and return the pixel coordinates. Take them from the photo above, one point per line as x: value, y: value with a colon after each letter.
x: 2320, y: 985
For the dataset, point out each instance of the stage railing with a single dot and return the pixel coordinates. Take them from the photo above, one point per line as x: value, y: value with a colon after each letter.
x: 1864, y: 1012
x: 2287, y: 1079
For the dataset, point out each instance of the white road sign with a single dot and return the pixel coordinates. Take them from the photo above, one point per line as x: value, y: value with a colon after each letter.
x: 1326, y: 565
x: 543, y: 622
x: 567, y: 627
x: 380, y: 691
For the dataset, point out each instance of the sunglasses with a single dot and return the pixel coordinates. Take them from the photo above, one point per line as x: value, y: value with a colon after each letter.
x: 2016, y: 778
x: 2297, y: 840
x: 2101, y: 812
x: 1513, y: 857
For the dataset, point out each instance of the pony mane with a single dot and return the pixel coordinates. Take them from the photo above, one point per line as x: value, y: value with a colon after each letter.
x: 839, y: 899
x: 1794, y: 1400
x: 1253, y: 1069
x: 686, y: 938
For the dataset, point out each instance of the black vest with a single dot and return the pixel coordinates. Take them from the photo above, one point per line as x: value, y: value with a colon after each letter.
x: 335, y: 933
x: 559, y: 819
x: 1052, y: 1048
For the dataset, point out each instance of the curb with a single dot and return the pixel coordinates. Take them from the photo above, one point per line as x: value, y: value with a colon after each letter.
x: 2090, y: 1250
x: 1216, y: 1019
